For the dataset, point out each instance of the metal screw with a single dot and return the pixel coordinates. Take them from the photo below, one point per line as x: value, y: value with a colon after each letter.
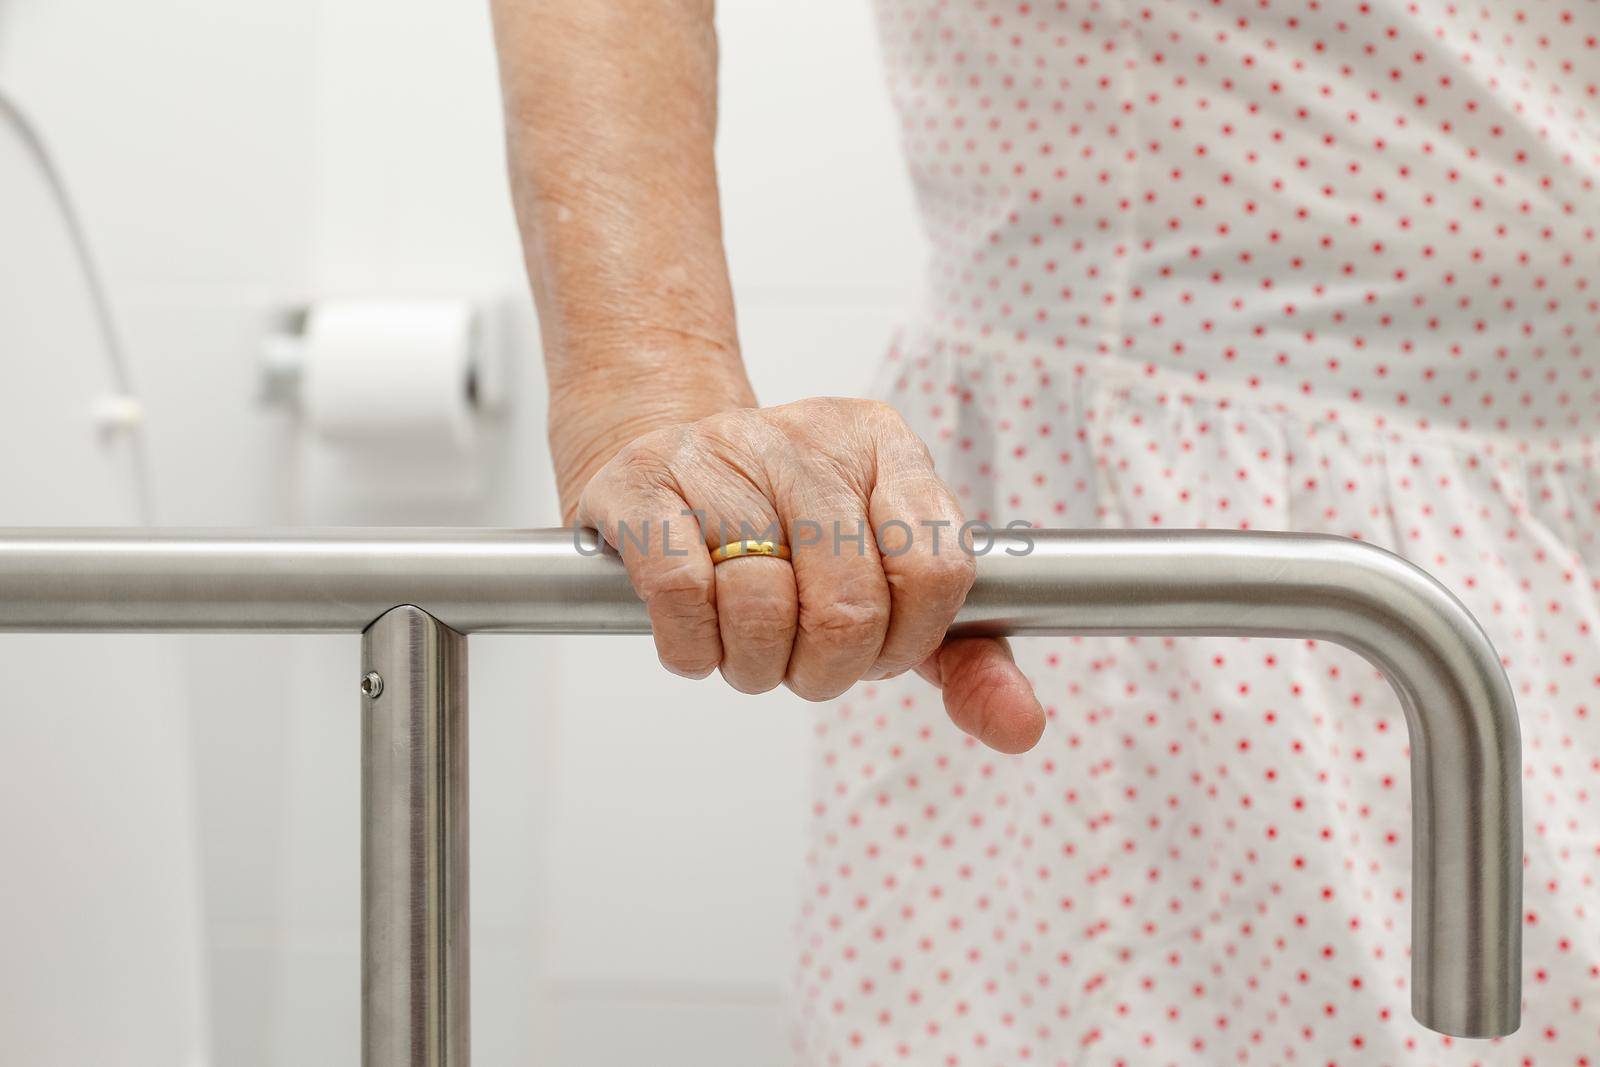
x: 372, y: 685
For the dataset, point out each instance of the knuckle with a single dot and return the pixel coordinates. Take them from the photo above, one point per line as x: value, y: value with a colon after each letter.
x: 845, y: 624
x: 679, y: 592
x: 726, y: 425
x: 762, y: 624
x: 887, y: 418
x: 875, y: 409
x: 641, y: 462
x: 942, y: 579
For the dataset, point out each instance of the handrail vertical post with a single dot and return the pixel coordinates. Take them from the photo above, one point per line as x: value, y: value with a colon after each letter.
x: 414, y: 929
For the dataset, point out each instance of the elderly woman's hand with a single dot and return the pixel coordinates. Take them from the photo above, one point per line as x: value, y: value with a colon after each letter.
x: 610, y: 124
x: 824, y: 476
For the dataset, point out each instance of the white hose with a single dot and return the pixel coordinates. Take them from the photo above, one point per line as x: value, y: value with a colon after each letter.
x: 38, y: 151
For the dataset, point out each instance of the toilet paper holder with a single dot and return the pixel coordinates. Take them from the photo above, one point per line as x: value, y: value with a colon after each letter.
x: 282, y: 352
x: 415, y: 595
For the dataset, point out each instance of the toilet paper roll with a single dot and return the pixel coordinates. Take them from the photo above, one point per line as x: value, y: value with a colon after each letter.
x: 390, y: 375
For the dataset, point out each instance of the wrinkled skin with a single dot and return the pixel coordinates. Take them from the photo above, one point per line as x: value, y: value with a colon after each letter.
x: 610, y: 134
x: 841, y: 611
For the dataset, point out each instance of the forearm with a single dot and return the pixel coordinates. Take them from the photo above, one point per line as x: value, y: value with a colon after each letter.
x: 611, y: 120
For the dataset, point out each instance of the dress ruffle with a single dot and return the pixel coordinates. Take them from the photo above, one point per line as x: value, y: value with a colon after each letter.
x: 1207, y: 859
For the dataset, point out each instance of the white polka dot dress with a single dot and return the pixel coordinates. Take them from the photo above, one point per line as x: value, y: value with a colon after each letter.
x: 1322, y: 265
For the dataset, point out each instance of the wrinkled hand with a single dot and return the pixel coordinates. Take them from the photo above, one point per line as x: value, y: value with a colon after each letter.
x: 825, y: 475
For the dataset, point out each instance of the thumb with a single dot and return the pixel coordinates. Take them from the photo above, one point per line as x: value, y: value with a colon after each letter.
x: 985, y: 692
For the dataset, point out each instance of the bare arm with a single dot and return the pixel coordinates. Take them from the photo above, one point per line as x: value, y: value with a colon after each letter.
x: 611, y: 119
x: 611, y: 116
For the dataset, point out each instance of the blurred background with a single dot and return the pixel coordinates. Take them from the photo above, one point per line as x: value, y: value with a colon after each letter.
x: 180, y: 825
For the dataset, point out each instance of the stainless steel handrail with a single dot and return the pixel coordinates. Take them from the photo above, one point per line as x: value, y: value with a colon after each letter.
x: 1459, y: 709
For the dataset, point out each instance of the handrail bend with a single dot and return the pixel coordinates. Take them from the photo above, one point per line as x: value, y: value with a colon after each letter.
x: 1459, y: 708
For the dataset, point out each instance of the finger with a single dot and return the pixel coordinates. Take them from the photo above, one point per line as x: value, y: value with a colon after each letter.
x: 918, y: 522
x: 986, y: 693
x: 639, y: 514
x: 844, y: 598
x: 757, y: 606
x: 757, y: 611
x: 754, y: 596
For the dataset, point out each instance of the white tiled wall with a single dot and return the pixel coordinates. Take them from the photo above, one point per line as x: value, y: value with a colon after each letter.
x: 636, y: 838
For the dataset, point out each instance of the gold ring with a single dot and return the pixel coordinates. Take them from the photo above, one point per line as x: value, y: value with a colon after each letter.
x: 735, y: 549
